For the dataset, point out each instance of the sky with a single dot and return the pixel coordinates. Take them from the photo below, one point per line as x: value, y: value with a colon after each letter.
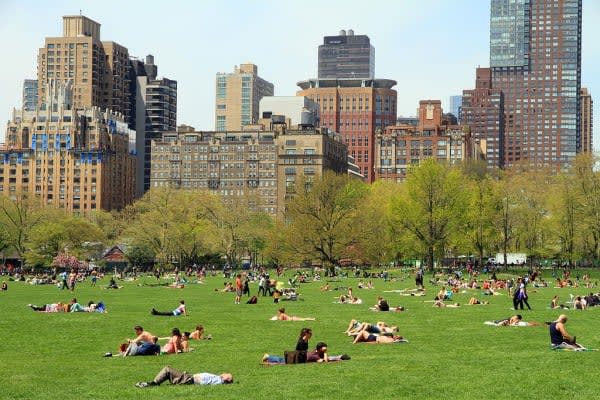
x: 431, y: 48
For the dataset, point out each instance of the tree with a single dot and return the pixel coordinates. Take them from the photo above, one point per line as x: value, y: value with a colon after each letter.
x: 168, y: 222
x: 587, y: 182
x: 237, y: 228
x: 322, y: 218
x: 377, y: 239
x: 481, y: 213
x: 19, y: 217
x: 432, y: 207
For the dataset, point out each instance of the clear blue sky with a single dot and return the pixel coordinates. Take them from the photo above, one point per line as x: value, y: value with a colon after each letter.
x: 431, y: 48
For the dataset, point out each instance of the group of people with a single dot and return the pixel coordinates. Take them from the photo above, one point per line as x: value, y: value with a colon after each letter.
x: 380, y: 332
x: 72, y: 306
x: 146, y: 344
x: 301, y: 354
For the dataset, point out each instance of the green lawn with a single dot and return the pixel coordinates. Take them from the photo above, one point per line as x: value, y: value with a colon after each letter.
x: 450, y: 354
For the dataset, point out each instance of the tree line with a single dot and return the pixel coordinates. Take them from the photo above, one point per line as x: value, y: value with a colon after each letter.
x: 439, y: 211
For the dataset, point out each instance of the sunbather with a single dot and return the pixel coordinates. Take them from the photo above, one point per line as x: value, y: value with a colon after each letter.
x: 282, y: 316
x: 374, y: 338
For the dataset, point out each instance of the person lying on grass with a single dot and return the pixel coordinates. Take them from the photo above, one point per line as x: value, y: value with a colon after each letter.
x: 380, y: 327
x: 180, y: 310
x: 344, y: 299
x: 367, y: 337
x: 282, y: 316
x: 441, y: 304
x: 515, y: 320
x: 476, y: 301
x: 319, y: 354
x: 198, y: 333
x: 51, y: 307
x: 177, y: 377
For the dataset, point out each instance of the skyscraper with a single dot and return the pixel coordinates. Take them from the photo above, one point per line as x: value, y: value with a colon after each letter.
x: 155, y: 112
x: 456, y: 105
x: 98, y: 70
x: 346, y: 56
x: 535, y: 58
x: 238, y: 96
x: 483, y: 112
x: 30, y: 94
x: 587, y: 121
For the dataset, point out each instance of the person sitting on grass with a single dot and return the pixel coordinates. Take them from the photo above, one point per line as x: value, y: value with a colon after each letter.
x: 132, y: 345
x: 319, y: 354
x: 180, y: 310
x: 112, y: 284
x: 177, y: 377
x: 282, y: 316
x: 144, y: 349
x: 560, y: 338
x: 174, y: 344
x: 367, y: 337
x: 554, y: 304
x: 382, y: 305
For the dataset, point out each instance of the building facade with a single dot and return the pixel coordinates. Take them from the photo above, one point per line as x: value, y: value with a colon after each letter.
x: 535, y: 58
x: 99, y: 71
x: 483, y: 112
x: 346, y: 56
x: 237, y: 97
x: 30, y: 94
x: 587, y: 122
x: 156, y: 112
x: 399, y: 147
x: 355, y: 108
x: 456, y: 106
x: 260, y: 165
x: 293, y: 108
x: 78, y: 160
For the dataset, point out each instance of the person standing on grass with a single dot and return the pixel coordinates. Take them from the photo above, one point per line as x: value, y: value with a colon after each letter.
x: 94, y: 275
x: 180, y: 310
x: 522, y: 295
x: 177, y: 377
x: 238, y: 289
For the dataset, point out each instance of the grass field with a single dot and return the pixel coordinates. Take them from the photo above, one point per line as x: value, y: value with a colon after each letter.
x: 450, y: 354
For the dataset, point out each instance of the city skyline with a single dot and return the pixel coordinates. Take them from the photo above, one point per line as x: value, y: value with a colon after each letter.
x: 432, y: 53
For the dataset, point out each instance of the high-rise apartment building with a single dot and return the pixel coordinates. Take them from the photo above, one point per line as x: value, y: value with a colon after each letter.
x: 535, y: 57
x: 237, y: 97
x: 30, y: 94
x: 99, y: 71
x: 261, y: 166
x: 76, y: 159
x: 401, y: 146
x: 355, y: 108
x: 346, y: 56
x: 587, y: 122
x: 456, y: 106
x: 155, y: 113
x: 483, y: 112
